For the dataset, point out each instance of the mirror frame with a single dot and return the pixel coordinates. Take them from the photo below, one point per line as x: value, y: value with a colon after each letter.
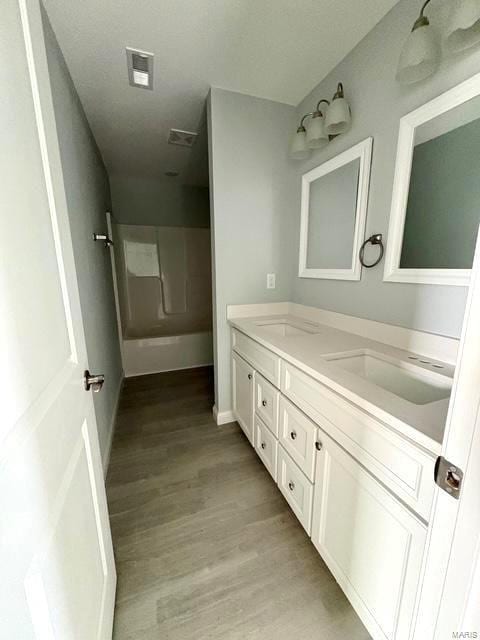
x: 401, y: 184
x: 363, y: 151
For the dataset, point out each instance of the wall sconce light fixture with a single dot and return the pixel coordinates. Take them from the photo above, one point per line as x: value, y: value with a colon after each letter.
x: 463, y: 30
x: 321, y: 128
x: 420, y: 55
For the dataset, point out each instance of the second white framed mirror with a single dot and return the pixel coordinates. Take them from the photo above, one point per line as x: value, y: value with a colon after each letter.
x: 436, y: 193
x: 333, y: 214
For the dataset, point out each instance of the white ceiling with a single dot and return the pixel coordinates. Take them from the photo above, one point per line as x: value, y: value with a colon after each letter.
x: 276, y: 49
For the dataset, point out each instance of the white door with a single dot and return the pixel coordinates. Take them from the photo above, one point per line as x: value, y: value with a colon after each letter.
x: 243, y: 394
x: 450, y: 595
x: 57, y: 575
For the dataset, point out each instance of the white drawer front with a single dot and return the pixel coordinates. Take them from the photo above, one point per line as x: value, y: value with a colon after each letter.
x: 266, y: 446
x: 266, y: 403
x: 297, y: 434
x: 405, y: 468
x: 296, y: 488
x: 263, y: 360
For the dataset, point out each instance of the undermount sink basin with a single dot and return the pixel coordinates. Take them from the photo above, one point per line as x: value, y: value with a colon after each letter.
x: 286, y: 328
x: 408, y: 381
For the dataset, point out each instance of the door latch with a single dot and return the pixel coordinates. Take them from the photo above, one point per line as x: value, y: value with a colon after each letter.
x: 448, y: 477
x: 93, y: 382
x: 104, y: 238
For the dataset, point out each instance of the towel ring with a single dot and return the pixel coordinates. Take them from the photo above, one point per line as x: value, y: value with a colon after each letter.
x: 375, y: 239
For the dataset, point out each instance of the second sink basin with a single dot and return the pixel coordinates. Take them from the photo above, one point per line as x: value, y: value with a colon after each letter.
x: 413, y: 383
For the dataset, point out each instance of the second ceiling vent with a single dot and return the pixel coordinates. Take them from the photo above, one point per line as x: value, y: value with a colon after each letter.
x: 140, y: 68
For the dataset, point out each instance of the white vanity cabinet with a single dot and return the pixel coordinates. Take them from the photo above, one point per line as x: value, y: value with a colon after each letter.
x: 371, y: 543
x: 362, y: 492
x: 243, y: 381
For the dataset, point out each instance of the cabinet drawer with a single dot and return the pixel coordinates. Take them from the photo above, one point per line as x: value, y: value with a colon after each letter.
x: 402, y: 466
x: 296, y: 488
x: 297, y: 435
x: 263, y: 360
x: 266, y: 446
x: 371, y: 543
x: 266, y: 403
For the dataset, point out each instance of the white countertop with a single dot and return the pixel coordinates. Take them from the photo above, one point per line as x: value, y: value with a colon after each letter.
x: 422, y: 424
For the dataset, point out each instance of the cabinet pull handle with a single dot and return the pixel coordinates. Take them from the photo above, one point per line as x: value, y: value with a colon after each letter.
x: 291, y: 485
x: 264, y: 403
x: 318, y: 445
x: 293, y: 435
x: 249, y: 376
x: 263, y: 445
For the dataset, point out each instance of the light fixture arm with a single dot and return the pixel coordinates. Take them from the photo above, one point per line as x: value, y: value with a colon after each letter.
x: 422, y: 20
x: 317, y: 110
x: 339, y: 92
x: 301, y: 127
x: 423, y: 6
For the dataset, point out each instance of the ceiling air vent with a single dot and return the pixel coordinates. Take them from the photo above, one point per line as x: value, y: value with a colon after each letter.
x: 140, y: 68
x: 183, y: 138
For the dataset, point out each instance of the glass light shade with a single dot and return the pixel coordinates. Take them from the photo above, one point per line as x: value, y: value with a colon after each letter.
x: 317, y: 137
x: 298, y: 146
x: 338, y: 117
x: 463, y: 30
x: 420, y: 56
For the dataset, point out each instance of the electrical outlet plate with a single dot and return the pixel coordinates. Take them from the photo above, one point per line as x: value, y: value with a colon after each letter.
x: 270, y: 281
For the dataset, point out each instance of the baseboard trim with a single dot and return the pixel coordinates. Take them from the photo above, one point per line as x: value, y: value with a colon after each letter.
x: 222, y: 417
x: 108, y: 450
x: 151, y: 372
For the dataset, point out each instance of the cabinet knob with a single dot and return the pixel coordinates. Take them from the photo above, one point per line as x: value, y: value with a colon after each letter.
x: 263, y: 445
x: 291, y: 485
x: 293, y: 435
x: 249, y: 376
x: 264, y: 403
x: 318, y: 445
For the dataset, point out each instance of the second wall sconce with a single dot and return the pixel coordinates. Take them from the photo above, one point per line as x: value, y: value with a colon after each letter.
x: 420, y: 55
x: 321, y: 126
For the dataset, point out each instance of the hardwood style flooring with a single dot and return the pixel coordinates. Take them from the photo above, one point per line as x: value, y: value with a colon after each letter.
x: 206, y: 546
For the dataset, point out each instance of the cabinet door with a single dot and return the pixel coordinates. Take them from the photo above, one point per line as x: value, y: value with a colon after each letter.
x: 372, y: 544
x: 243, y: 394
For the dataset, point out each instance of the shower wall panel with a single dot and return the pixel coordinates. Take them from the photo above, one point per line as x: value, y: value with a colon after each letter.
x: 164, y: 280
x: 165, y: 297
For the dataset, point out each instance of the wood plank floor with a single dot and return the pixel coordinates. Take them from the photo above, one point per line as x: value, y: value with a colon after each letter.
x: 206, y: 547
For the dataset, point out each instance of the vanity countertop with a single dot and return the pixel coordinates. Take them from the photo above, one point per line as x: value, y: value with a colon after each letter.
x: 423, y: 424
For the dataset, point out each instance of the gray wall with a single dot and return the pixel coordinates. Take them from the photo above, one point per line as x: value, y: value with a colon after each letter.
x: 88, y: 198
x: 378, y: 102
x: 443, y: 210
x: 252, y: 201
x: 162, y: 202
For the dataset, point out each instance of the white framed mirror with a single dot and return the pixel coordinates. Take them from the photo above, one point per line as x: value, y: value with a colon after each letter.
x: 436, y: 192
x: 333, y: 213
